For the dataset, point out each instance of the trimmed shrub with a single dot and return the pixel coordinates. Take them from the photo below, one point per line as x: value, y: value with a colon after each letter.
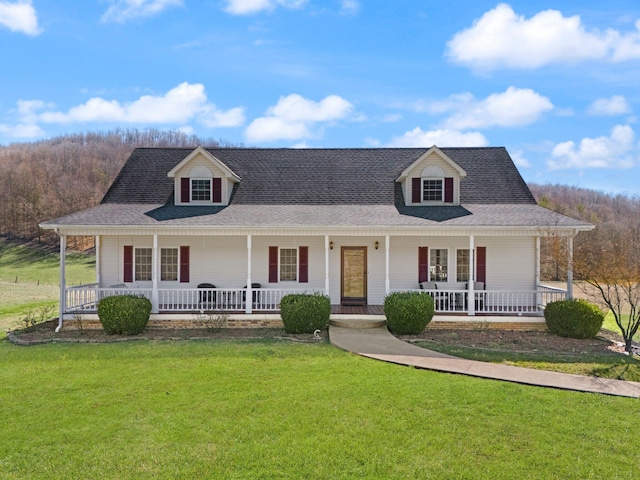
x: 124, y: 314
x: 305, y: 313
x: 573, y: 318
x: 408, y: 313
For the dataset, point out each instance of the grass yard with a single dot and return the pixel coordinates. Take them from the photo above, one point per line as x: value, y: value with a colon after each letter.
x: 610, y: 324
x: 281, y: 410
x: 29, y: 279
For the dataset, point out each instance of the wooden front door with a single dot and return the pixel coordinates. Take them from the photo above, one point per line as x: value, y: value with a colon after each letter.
x: 354, y: 276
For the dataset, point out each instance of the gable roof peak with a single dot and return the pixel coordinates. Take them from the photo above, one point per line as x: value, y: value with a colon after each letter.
x: 433, y: 150
x: 202, y: 151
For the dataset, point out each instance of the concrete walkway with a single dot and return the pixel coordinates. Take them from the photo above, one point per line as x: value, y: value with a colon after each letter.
x: 378, y: 343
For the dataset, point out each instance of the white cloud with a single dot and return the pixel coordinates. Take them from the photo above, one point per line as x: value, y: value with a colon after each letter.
x: 19, y: 16
x: 515, y: 107
x: 349, y: 7
x: 442, y: 138
x: 519, y: 159
x: 614, y: 151
x: 294, y: 117
x: 184, y: 103
x: 22, y: 130
x: 503, y: 39
x: 247, y: 7
x: 615, y: 105
x: 124, y: 10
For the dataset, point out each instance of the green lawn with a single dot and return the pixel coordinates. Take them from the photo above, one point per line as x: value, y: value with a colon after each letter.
x: 610, y: 324
x: 237, y: 410
x: 29, y: 279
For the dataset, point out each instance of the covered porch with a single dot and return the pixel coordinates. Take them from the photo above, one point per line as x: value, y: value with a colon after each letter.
x: 384, y: 262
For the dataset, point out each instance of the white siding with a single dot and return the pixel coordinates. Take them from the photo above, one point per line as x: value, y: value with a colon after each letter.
x: 222, y: 261
x: 375, y: 267
x: 416, y: 171
x: 510, y: 260
x: 201, y: 161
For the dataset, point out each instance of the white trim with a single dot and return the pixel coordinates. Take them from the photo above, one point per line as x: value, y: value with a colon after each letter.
x: 472, y: 277
x: 63, y: 280
x: 154, y: 273
x: 249, y: 293
x: 326, y: 266
x: 215, y: 161
x: 441, y: 154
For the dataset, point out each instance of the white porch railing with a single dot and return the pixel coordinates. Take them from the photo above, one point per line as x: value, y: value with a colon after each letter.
x: 84, y: 298
x: 495, y: 301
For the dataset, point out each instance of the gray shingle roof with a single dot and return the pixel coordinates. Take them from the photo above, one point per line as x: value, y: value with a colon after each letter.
x: 319, y: 187
x: 320, y: 176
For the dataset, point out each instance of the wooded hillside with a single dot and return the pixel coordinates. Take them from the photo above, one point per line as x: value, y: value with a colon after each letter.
x: 613, y: 215
x: 47, y: 179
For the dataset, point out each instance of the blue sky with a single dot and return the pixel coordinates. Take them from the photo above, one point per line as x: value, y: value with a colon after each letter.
x: 556, y: 83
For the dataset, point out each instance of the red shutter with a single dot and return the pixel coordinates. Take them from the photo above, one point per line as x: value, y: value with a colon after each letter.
x: 303, y: 268
x: 273, y: 264
x: 184, y: 264
x: 216, y: 185
x: 416, y: 194
x: 481, y: 264
x: 185, y: 194
x: 423, y: 264
x: 127, y: 275
x: 448, y: 189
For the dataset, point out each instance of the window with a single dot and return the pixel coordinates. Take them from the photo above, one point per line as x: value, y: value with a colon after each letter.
x: 200, y: 189
x: 288, y: 264
x: 169, y: 264
x: 438, y: 265
x: 143, y: 264
x: 431, y: 190
x: 462, y: 265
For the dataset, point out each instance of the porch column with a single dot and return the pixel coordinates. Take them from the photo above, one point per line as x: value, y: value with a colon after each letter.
x: 570, y: 268
x: 387, y: 283
x: 154, y: 275
x: 248, y: 304
x: 63, y: 280
x: 537, y: 262
x: 537, y: 280
x: 471, y: 295
x: 326, y: 265
x: 98, y: 263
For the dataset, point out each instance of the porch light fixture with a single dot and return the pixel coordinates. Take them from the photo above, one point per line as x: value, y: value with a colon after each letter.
x: 330, y: 245
x: 376, y: 245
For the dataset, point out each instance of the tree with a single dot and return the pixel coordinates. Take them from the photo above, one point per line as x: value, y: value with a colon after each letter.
x: 610, y: 263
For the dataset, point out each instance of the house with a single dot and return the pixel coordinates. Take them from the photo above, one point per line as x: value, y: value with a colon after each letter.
x: 209, y: 229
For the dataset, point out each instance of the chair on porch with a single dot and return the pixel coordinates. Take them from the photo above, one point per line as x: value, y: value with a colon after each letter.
x: 255, y: 295
x: 206, y: 297
x: 440, y: 302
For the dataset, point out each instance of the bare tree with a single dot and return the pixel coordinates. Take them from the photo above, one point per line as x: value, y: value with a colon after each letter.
x: 610, y: 264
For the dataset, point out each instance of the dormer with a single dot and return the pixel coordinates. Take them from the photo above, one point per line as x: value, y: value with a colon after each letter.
x: 202, y: 179
x: 433, y: 179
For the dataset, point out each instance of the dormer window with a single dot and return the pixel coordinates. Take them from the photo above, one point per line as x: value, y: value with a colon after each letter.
x: 432, y: 189
x: 200, y: 189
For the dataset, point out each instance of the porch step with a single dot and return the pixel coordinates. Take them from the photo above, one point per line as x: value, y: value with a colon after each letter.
x: 357, y: 323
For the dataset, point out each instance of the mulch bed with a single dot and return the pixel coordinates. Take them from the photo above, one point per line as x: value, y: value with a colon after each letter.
x: 606, y: 343
x: 45, y: 333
